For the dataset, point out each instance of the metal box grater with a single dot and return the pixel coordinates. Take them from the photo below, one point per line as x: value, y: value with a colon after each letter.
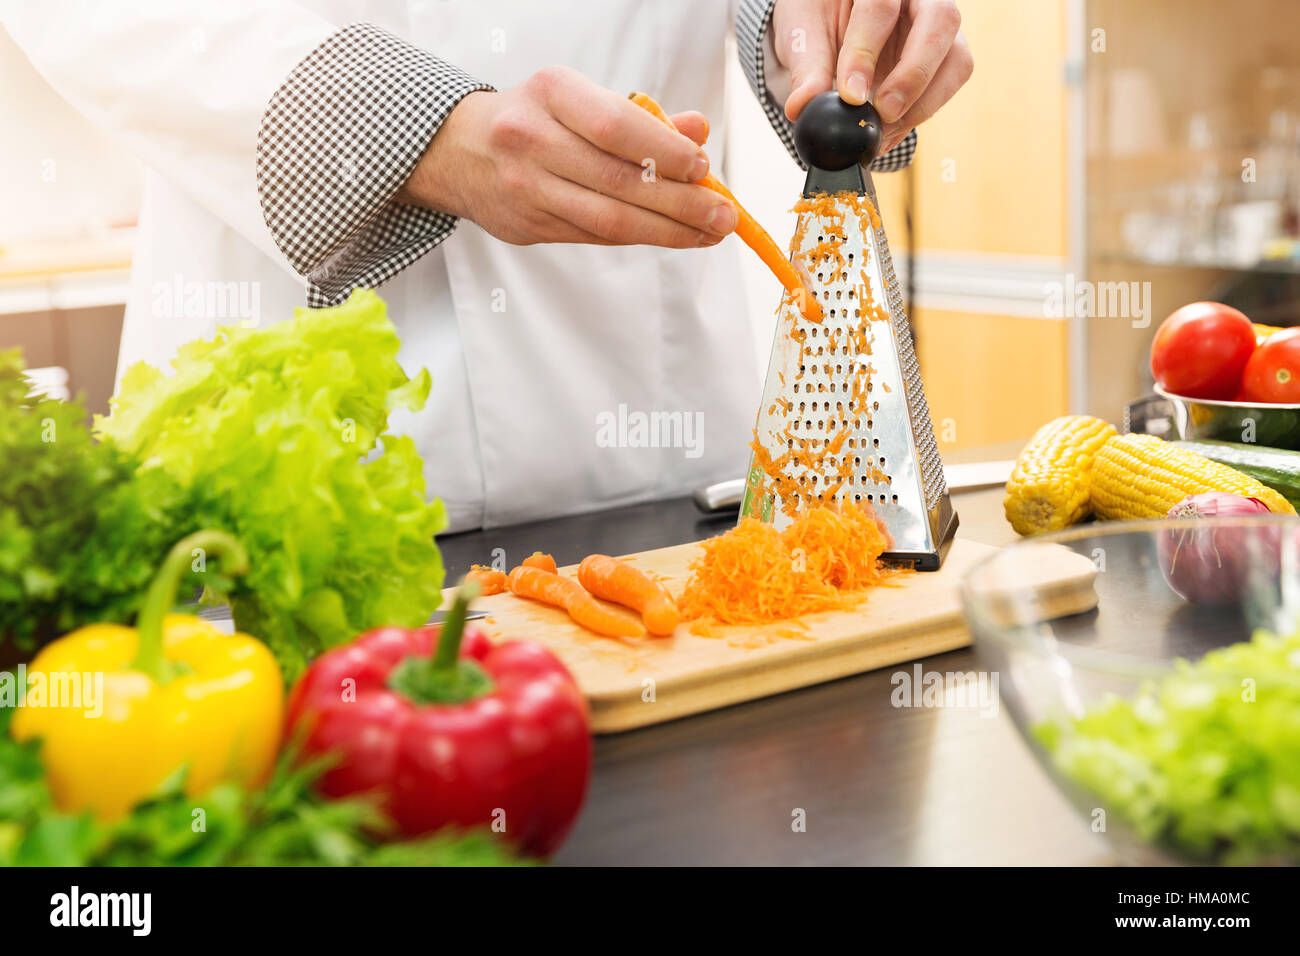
x: 844, y: 415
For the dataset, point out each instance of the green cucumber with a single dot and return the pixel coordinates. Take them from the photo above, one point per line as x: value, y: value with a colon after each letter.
x: 1276, y: 468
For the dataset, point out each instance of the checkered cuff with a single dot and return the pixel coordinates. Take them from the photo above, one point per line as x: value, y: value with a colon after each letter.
x: 339, y: 138
x: 753, y: 17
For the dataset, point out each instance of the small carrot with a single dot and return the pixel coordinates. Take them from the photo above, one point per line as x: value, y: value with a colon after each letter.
x: 541, y: 561
x: 749, y: 229
x: 566, y: 593
x: 490, y: 580
x: 618, y: 581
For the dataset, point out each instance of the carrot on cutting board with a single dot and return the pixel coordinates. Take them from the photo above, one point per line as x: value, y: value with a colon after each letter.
x: 541, y: 561
x: 490, y: 580
x: 618, y: 581
x: 566, y: 593
x: 749, y: 230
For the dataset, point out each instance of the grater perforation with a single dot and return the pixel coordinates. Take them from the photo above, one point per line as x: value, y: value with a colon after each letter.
x: 844, y: 418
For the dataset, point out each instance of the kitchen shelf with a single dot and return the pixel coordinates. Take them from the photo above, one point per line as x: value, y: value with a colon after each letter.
x: 1264, y: 266
x: 74, y: 273
x: 74, y: 290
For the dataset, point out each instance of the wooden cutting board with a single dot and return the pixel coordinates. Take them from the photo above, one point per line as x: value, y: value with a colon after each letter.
x: 634, y: 683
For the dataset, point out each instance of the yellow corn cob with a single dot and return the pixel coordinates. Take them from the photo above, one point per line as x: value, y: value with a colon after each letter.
x: 1141, y: 476
x: 1264, y: 331
x: 1050, y: 486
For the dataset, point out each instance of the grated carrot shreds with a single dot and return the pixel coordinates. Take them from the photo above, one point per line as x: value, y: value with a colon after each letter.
x: 827, y: 559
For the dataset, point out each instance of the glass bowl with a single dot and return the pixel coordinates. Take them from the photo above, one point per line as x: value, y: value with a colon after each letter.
x: 1168, y: 713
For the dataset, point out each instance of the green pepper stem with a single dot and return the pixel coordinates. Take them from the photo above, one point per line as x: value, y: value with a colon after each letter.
x: 444, y: 677
x: 161, y: 596
x: 453, y: 627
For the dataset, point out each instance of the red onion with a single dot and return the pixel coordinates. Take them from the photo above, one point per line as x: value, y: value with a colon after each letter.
x: 1217, y: 504
x: 1215, y: 565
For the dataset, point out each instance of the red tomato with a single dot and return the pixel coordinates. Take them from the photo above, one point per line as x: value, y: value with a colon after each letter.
x: 1273, y: 372
x: 1201, y: 350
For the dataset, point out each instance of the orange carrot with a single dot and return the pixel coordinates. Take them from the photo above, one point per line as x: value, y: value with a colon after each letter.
x: 749, y: 230
x: 826, y: 560
x: 541, y: 561
x: 648, y: 104
x: 566, y: 593
x: 618, y: 581
x: 490, y: 580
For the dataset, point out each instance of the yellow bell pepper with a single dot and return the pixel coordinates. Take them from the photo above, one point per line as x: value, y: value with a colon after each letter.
x: 176, y: 695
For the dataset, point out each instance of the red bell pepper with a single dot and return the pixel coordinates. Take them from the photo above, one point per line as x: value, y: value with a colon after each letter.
x: 476, y: 734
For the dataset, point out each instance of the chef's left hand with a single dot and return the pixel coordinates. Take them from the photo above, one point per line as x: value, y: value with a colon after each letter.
x: 910, y: 51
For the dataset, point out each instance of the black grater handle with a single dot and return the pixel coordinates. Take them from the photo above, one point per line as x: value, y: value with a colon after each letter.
x: 835, y: 139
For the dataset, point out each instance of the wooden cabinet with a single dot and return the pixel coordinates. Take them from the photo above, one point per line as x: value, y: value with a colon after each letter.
x: 991, y: 221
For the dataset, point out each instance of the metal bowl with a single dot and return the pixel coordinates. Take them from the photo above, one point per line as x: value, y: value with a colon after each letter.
x: 1259, y: 423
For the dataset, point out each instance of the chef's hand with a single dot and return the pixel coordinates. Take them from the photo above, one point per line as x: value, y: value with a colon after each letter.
x: 911, y: 52
x: 559, y: 159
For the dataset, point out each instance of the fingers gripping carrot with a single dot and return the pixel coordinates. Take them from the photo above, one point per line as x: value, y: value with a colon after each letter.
x: 618, y: 581
x: 757, y: 238
x: 566, y: 593
x: 541, y: 561
x: 749, y: 230
x: 490, y: 580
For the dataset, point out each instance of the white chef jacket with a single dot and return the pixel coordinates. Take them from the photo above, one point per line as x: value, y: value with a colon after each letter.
x: 534, y: 351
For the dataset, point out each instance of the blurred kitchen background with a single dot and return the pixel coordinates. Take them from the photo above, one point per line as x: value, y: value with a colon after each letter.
x: 1099, y: 140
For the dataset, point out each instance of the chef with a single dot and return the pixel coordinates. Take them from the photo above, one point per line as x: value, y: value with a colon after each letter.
x: 543, y: 245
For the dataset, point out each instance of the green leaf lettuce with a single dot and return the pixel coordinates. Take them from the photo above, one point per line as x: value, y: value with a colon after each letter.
x: 1205, y: 760
x: 279, y: 434
x: 81, y: 531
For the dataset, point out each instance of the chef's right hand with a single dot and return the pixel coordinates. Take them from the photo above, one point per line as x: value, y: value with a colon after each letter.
x: 559, y: 159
